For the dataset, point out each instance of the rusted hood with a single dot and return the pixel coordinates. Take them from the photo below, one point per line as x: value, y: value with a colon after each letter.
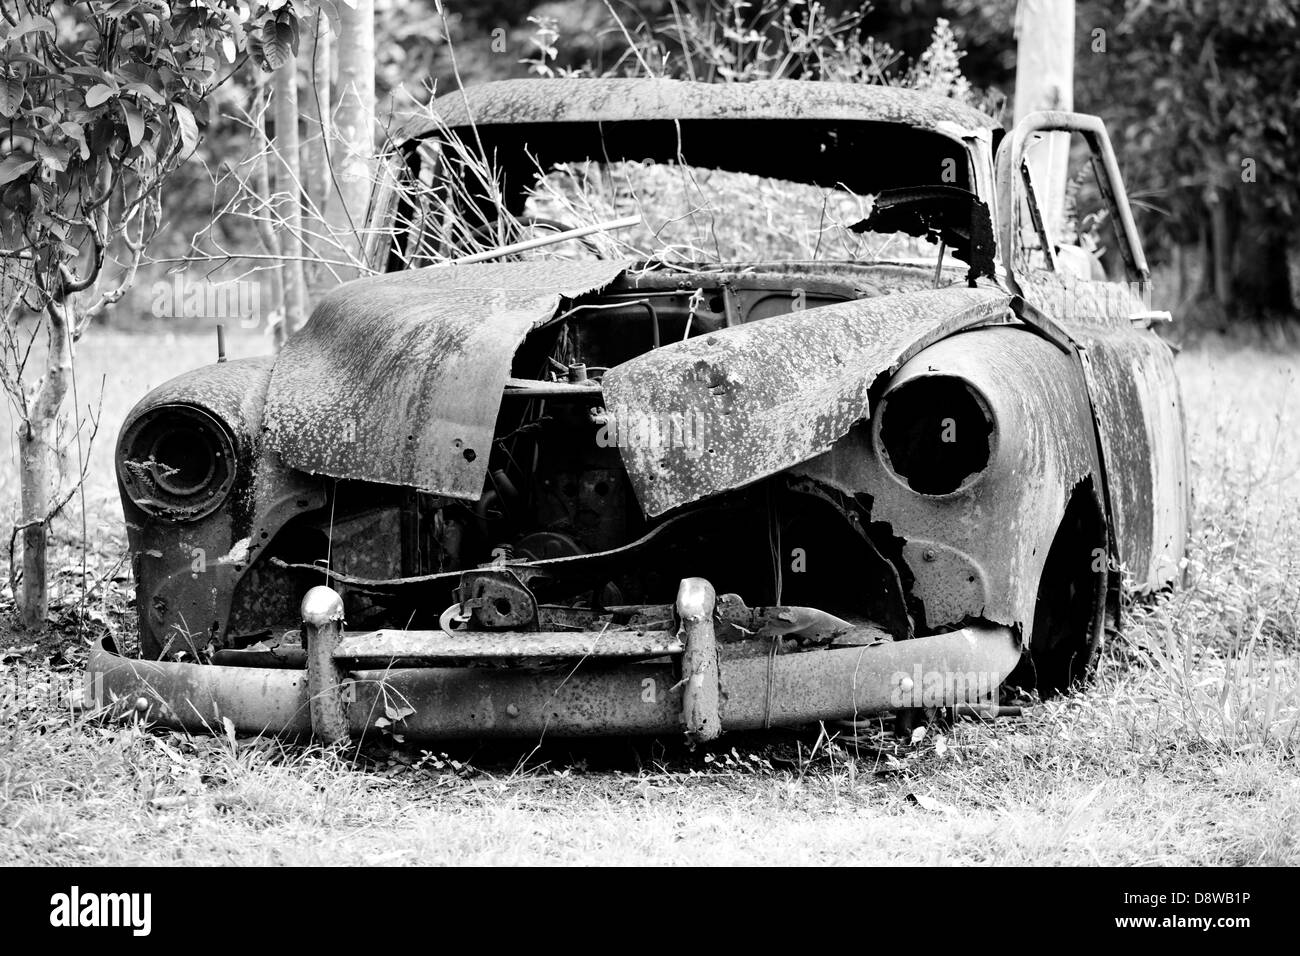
x: 723, y: 410
x: 398, y: 378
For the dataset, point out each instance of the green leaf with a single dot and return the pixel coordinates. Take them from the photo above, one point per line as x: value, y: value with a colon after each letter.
x: 55, y: 157
x: 98, y: 94
x: 14, y: 166
x: 134, y: 124
x: 93, y: 72
x: 279, y: 42
x: 74, y: 132
x: 49, y: 115
x: 148, y: 92
x: 18, y: 56
x: 11, y: 95
x: 188, y: 129
x: 32, y: 24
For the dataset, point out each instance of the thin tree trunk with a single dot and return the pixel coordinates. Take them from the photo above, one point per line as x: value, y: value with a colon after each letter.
x: 1261, y: 275
x: 36, y: 455
x: 1205, y: 283
x: 288, y: 189
x: 352, y: 151
x: 316, y: 185
x: 1180, y: 269
x: 1220, y: 236
x: 265, y: 229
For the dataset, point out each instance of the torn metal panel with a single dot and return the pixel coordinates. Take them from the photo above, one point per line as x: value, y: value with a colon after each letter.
x: 613, y: 99
x: 955, y: 217
x: 768, y: 395
x: 397, y: 378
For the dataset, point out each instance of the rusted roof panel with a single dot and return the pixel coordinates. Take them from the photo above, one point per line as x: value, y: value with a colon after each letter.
x: 610, y: 100
x: 397, y: 378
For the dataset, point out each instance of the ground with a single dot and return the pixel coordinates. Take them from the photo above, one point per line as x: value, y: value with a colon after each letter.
x: 1183, y: 751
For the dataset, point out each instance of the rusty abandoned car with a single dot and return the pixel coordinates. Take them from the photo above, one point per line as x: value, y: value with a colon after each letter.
x: 579, y: 494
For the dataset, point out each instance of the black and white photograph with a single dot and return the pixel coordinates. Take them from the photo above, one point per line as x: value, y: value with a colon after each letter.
x: 656, y: 433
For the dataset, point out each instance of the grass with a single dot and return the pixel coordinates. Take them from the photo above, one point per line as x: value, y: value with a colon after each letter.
x: 1184, y: 751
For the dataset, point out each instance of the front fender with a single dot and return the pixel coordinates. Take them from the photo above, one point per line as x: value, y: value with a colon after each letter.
x: 979, y: 552
x: 186, y: 571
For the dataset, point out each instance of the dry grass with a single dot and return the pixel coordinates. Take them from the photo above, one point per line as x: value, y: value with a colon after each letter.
x: 1184, y: 752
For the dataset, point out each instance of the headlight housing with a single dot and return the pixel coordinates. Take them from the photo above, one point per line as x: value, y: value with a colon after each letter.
x: 177, y: 462
x: 935, y: 433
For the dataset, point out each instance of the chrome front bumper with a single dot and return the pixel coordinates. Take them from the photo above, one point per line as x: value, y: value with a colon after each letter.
x: 697, y: 687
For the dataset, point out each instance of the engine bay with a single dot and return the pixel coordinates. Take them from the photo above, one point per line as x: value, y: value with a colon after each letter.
x: 557, y: 501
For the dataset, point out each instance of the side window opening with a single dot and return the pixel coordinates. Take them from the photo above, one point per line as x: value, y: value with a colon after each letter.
x: 1095, y: 239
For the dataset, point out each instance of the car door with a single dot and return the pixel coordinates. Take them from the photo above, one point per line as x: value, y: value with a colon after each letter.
x: 1129, y: 369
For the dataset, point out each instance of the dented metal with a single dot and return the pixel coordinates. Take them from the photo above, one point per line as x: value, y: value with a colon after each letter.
x: 572, y: 498
x: 594, y: 698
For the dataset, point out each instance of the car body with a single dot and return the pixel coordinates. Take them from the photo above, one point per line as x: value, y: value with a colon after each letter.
x: 591, y: 496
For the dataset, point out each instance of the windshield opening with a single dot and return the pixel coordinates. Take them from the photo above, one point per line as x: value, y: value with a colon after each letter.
x: 686, y: 216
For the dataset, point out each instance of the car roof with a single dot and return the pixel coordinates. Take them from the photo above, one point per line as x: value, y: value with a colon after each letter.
x: 613, y: 99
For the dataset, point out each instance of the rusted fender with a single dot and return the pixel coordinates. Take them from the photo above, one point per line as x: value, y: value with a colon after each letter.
x: 397, y: 378
x: 979, y: 552
x: 598, y: 697
x: 232, y: 391
x: 759, y: 398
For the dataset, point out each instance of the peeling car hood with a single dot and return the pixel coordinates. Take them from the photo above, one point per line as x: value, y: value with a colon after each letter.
x: 398, y: 378
x: 721, y: 411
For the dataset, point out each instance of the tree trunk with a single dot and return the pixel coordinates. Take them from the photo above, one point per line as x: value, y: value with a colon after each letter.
x: 1179, y: 253
x: 1221, y: 239
x: 36, y: 455
x: 265, y: 229
x: 288, y: 189
x: 316, y: 147
x: 1045, y: 81
x: 352, y: 151
x: 1261, y: 275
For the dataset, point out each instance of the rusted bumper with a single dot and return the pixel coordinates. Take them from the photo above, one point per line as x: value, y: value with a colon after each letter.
x: 590, y: 698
